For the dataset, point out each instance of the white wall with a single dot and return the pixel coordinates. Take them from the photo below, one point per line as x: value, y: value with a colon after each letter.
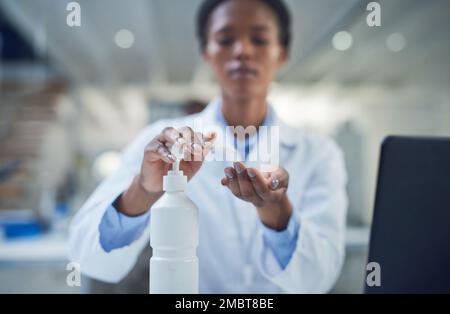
x: 374, y: 112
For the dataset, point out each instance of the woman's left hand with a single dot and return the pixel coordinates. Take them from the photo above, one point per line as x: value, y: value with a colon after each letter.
x: 267, y: 191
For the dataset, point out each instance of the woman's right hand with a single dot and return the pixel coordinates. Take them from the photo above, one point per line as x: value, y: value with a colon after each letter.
x: 159, y: 155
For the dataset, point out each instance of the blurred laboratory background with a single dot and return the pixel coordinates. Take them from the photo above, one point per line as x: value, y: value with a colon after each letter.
x: 72, y: 97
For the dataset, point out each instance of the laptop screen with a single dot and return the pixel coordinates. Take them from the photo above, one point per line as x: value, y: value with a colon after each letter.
x: 410, y: 235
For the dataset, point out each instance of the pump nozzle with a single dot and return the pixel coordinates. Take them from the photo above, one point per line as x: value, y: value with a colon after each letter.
x: 177, y: 151
x: 175, y: 180
x: 176, y: 166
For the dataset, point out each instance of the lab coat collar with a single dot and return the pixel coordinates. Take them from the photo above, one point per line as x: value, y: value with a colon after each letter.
x: 289, y: 136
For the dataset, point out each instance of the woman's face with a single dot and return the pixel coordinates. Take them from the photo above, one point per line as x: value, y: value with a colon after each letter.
x: 243, y: 47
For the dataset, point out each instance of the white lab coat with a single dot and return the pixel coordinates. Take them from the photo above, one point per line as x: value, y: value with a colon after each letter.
x: 317, y: 190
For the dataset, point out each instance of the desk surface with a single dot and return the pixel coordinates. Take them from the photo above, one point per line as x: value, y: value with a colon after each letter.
x: 53, y: 247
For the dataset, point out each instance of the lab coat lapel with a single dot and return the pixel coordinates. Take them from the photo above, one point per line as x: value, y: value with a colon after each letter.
x: 288, y: 136
x: 224, y: 143
x: 245, y: 213
x: 274, y: 142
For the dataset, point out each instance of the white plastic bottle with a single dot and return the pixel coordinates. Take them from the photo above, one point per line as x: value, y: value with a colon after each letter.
x: 174, y: 238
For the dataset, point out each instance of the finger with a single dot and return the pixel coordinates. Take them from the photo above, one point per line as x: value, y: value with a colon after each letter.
x: 260, y: 184
x: 197, y: 146
x: 233, y: 183
x: 208, y: 143
x: 209, y: 140
x: 193, y: 150
x: 170, y: 136
x: 187, y: 135
x: 245, y: 185
x: 224, y: 181
x: 201, y: 146
x: 156, y: 150
x: 278, y: 179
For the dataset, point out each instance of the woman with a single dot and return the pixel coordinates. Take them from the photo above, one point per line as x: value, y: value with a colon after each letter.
x: 281, y: 231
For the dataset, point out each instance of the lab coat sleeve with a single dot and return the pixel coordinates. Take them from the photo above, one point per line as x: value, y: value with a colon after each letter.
x: 84, y: 243
x: 118, y: 230
x: 321, y: 214
x: 282, y: 243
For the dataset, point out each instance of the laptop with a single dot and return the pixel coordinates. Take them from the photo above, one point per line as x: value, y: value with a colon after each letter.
x: 410, y: 233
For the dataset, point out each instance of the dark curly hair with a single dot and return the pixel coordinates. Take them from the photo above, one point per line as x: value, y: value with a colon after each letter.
x: 278, y: 7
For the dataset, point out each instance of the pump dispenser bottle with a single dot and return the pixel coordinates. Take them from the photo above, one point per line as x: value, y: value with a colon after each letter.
x: 174, y: 238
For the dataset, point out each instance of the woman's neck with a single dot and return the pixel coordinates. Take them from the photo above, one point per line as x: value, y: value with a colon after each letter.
x: 244, y: 112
